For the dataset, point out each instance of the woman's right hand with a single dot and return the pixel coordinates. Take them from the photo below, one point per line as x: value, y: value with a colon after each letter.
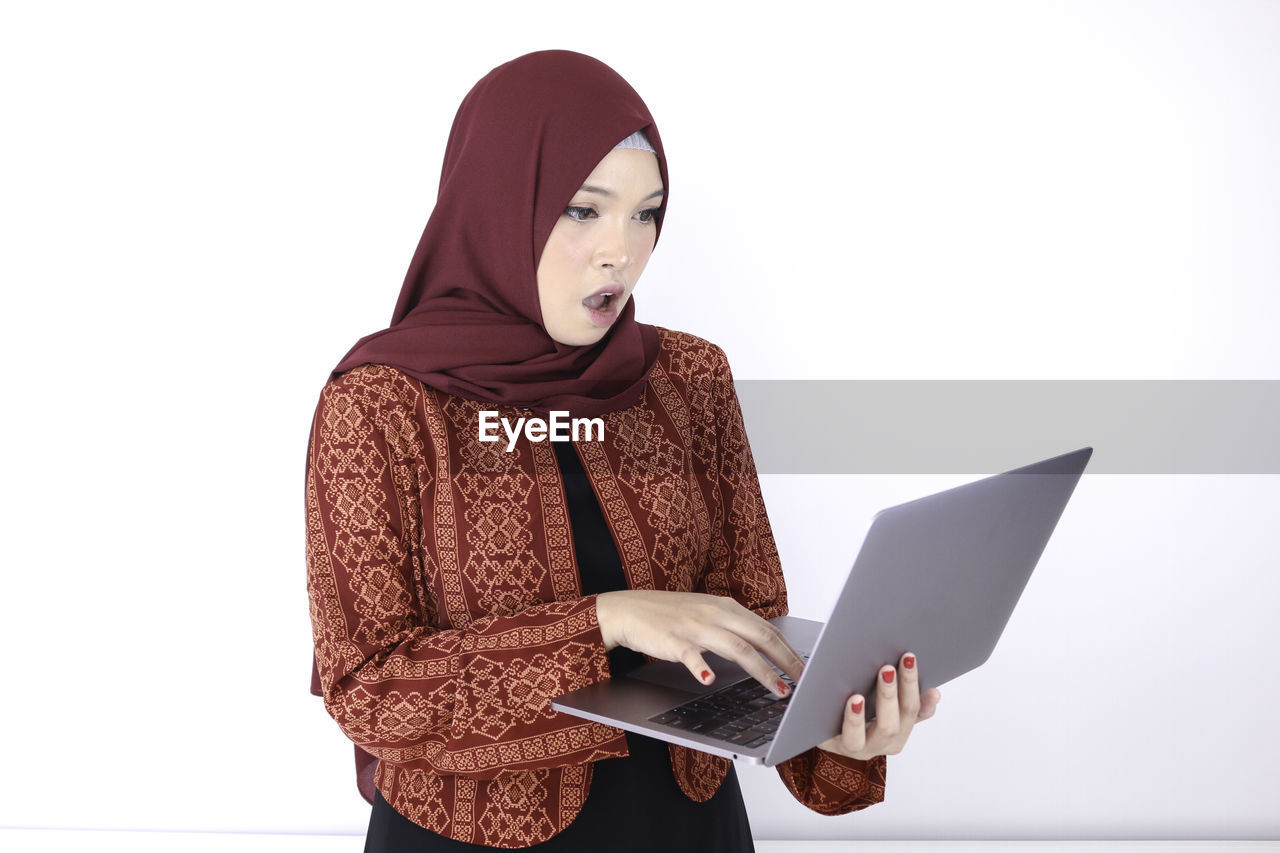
x: 680, y: 626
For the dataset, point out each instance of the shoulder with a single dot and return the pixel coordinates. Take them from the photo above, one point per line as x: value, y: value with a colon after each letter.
x: 375, y: 383
x: 696, y: 376
x: 368, y: 398
x: 689, y: 356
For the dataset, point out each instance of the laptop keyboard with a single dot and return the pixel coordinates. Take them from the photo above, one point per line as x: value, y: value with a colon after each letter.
x: 746, y: 713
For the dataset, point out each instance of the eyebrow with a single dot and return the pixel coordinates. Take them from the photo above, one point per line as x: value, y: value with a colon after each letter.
x: 588, y: 188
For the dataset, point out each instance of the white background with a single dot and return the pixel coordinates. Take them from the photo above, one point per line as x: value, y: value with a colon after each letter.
x: 203, y: 205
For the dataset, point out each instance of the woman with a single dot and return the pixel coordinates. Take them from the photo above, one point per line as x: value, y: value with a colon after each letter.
x: 458, y: 584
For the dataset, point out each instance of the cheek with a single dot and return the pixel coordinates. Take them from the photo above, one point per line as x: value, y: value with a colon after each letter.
x: 566, y: 249
x: 558, y: 268
x: 643, y: 248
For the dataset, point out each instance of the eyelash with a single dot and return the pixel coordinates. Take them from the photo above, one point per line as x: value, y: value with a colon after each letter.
x: 580, y: 214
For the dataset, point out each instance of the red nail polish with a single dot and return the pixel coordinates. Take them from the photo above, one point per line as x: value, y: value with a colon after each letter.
x: 706, y: 675
x: 909, y: 662
x: 856, y: 706
x: 782, y: 687
x: 887, y: 675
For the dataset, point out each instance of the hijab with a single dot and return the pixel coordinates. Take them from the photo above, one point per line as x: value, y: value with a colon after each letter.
x: 468, y: 320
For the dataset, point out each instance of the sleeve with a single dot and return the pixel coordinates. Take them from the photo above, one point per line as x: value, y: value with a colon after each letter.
x: 745, y: 565
x: 471, y: 701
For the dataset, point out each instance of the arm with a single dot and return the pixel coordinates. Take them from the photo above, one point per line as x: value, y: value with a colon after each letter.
x: 471, y: 701
x: 745, y: 565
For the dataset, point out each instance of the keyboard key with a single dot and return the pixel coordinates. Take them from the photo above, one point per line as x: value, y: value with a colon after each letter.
x: 741, y: 713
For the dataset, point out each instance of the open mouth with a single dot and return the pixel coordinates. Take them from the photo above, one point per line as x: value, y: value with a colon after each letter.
x: 599, y: 302
x: 602, y: 307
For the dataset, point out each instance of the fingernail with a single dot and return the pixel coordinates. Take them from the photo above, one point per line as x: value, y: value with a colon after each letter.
x: 909, y: 661
x: 782, y: 687
x: 856, y: 706
x: 706, y: 675
x: 887, y: 675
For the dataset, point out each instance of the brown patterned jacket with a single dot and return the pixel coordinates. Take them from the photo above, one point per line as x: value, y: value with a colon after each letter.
x: 445, y: 599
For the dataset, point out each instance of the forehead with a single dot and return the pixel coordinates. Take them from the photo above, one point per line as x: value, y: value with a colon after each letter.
x: 628, y: 169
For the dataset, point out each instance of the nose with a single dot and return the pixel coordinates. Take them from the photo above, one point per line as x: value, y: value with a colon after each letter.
x: 614, y: 250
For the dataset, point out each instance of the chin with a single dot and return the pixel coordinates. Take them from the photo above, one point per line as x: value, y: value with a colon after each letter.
x: 577, y: 337
x: 591, y: 337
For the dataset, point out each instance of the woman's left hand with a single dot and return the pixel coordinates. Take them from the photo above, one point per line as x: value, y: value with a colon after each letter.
x: 899, y: 706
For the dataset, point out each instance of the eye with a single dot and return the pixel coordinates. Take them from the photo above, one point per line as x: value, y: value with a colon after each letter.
x: 580, y: 214
x: 650, y: 216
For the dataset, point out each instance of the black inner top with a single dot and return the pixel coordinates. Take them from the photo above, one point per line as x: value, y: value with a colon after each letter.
x: 599, y: 566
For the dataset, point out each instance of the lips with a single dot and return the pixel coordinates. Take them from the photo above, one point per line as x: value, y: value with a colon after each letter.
x: 602, y: 306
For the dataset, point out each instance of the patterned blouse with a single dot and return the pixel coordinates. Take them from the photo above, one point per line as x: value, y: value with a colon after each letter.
x: 446, y: 603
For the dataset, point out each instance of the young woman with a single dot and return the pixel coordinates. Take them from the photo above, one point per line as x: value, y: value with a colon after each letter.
x: 458, y: 584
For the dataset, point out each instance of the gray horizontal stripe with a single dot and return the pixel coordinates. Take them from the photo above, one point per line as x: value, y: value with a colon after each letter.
x: 987, y: 426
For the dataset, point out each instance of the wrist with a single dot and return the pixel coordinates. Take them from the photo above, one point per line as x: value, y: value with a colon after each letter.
x: 606, y: 618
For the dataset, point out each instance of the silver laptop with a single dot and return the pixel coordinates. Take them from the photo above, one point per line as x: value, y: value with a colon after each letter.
x: 938, y: 576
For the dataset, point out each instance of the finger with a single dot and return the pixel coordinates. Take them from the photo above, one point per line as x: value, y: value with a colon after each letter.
x: 697, y: 666
x: 766, y: 637
x: 929, y: 703
x: 884, y: 730
x: 729, y: 645
x: 853, y: 733
x: 909, y: 689
x: 782, y: 653
x: 773, y: 645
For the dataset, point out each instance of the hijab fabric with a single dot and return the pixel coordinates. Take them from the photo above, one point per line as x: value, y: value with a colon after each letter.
x: 468, y: 320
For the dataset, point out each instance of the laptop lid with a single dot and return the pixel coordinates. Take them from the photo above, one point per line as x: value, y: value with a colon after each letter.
x: 938, y: 576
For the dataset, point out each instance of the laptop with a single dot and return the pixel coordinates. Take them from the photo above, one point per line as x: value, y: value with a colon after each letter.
x: 938, y: 576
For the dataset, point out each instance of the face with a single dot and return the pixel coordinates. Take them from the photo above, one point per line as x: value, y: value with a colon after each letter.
x: 599, y: 246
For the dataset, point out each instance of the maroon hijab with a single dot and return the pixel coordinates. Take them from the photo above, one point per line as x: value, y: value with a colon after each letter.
x: 468, y: 321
